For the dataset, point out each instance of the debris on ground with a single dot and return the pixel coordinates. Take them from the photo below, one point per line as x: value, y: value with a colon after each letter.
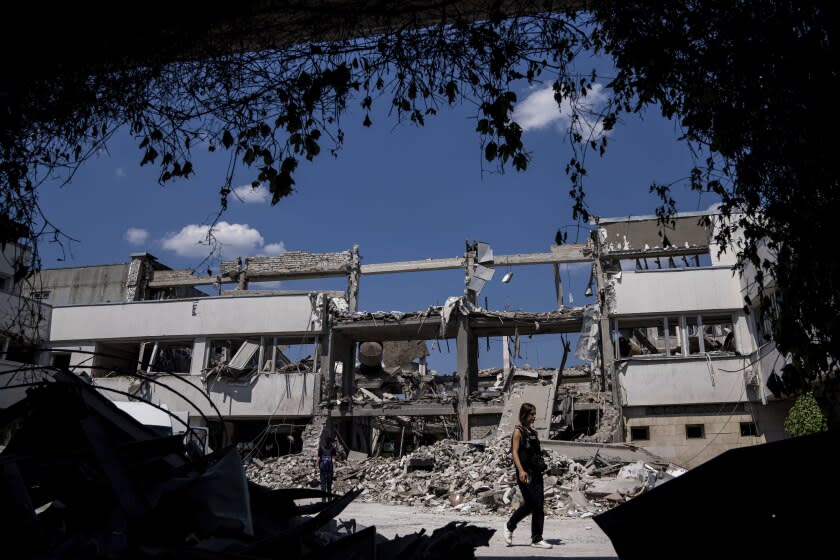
x: 473, y: 477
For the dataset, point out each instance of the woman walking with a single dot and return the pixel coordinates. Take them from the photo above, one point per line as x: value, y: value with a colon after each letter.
x: 527, y: 458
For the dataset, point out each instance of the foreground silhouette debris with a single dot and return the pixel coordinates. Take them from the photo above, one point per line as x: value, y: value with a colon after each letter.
x: 83, y: 479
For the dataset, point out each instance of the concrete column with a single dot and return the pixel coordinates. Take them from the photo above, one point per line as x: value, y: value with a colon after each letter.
x: 467, y: 347
x: 200, y: 348
x: 469, y: 265
x: 608, y: 380
x: 139, y: 274
x: 353, y: 278
x: 558, y: 286
x: 341, y: 350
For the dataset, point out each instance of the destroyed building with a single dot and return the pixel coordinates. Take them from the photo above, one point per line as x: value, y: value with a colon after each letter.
x: 669, y: 361
x: 690, y: 365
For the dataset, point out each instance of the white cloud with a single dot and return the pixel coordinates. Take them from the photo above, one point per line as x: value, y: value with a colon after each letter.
x: 540, y: 110
x: 234, y: 240
x: 251, y: 195
x: 274, y: 249
x: 136, y: 236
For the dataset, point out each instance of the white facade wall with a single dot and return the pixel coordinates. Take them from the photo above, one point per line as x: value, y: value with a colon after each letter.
x: 82, y: 330
x: 676, y: 290
x: 651, y: 381
x: 727, y: 257
x: 260, y: 396
x: 212, y: 316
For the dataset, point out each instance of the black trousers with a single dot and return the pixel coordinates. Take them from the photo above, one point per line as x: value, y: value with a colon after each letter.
x: 532, y: 503
x: 326, y: 479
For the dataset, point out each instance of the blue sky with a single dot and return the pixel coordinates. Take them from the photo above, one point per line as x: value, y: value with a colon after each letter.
x: 398, y: 191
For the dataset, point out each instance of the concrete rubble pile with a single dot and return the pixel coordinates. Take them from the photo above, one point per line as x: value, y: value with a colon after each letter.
x: 472, y: 477
x: 83, y: 479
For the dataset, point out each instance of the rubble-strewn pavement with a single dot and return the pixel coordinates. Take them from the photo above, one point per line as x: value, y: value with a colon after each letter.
x: 571, y: 537
x: 470, y: 478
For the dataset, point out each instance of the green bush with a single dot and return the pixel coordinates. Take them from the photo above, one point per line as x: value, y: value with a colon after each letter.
x: 805, y: 417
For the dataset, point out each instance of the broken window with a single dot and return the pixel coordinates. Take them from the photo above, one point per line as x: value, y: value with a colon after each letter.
x: 222, y: 352
x: 113, y: 358
x: 639, y: 433
x: 710, y: 333
x: 662, y: 262
x: 286, y: 358
x: 695, y: 431
x: 167, y: 356
x: 718, y: 333
x: 234, y: 357
x: 674, y: 335
x: 266, y: 354
x: 640, y: 336
x: 672, y: 340
x: 60, y: 360
x: 18, y: 350
x: 693, y: 327
x: 273, y: 358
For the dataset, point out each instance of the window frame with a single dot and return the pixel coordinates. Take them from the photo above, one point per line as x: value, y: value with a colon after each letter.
x: 751, y: 431
x: 682, y: 325
x: 635, y: 429
x: 149, y: 366
x: 690, y: 427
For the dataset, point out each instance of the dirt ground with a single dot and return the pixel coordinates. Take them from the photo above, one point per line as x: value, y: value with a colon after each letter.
x: 572, y: 538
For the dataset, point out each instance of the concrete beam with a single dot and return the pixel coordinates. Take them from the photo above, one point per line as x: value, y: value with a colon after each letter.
x: 399, y: 409
x: 559, y: 255
x: 303, y: 266
x: 413, y: 266
x: 414, y: 409
x: 414, y: 328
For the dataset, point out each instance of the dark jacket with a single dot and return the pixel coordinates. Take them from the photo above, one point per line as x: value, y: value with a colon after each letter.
x: 530, y: 453
x: 325, y: 457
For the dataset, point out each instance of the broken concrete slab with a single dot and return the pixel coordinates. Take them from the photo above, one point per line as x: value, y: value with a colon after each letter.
x: 610, y: 452
x: 600, y: 488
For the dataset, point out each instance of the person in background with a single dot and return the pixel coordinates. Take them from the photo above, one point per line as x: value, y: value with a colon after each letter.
x: 527, y: 458
x: 324, y: 464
